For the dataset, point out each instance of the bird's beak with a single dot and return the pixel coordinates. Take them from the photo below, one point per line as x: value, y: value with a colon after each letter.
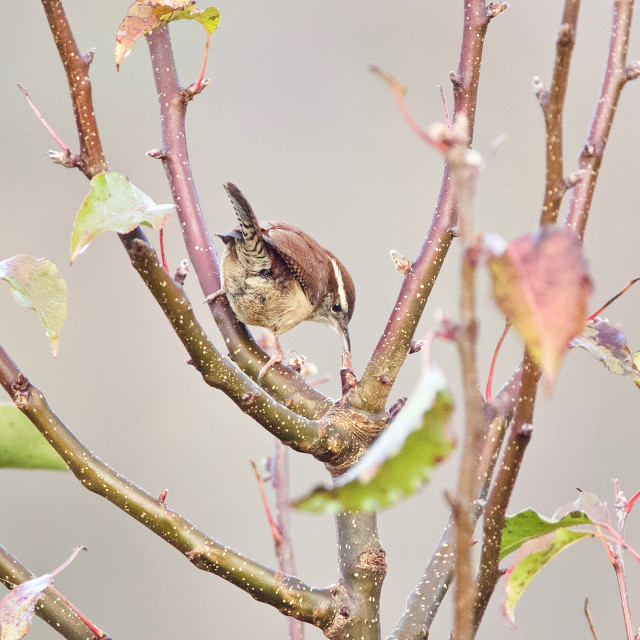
x: 345, y: 338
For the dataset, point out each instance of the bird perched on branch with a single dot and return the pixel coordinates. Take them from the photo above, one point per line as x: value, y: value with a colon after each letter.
x: 276, y: 275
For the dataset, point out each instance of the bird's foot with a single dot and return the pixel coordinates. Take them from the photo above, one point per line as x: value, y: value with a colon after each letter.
x: 278, y: 356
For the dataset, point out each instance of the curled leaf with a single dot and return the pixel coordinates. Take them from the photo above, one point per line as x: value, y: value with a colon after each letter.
x: 35, y: 284
x: 541, y: 284
x: 608, y: 343
x: 400, y: 460
x: 114, y: 204
x: 145, y: 15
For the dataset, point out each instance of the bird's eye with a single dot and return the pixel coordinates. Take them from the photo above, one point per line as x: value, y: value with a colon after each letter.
x: 337, y: 308
x: 264, y: 273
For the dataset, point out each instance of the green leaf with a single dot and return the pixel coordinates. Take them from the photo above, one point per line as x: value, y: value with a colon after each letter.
x: 22, y: 445
x: 35, y: 284
x: 114, y: 204
x: 529, y: 525
x: 521, y: 574
x: 145, y: 15
x: 399, y: 461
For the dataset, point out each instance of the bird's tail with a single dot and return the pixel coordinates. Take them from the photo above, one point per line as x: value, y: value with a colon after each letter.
x: 252, y: 250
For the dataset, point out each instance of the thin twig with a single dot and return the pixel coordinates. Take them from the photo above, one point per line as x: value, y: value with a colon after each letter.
x: 494, y: 516
x: 284, y: 547
x: 91, y: 160
x: 615, y: 78
x: 394, y: 343
x: 424, y: 601
x: 552, y: 103
x: 589, y: 620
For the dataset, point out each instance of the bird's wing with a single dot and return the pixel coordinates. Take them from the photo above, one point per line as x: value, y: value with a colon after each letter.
x: 306, y: 259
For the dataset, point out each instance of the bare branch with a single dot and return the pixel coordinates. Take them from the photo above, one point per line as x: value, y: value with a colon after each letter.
x: 288, y: 594
x: 91, y: 160
x: 494, y: 517
x: 552, y: 103
x: 395, y: 342
x: 615, y: 78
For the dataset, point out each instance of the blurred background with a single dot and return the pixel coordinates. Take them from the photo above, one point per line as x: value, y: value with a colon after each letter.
x: 294, y: 117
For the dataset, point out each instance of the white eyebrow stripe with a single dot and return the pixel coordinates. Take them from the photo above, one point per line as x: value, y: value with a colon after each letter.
x: 342, y: 294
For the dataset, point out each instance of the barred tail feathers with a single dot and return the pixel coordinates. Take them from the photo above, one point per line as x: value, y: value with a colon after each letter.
x: 252, y: 251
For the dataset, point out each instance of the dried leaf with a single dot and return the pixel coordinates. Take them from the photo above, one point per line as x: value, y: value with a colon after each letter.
x: 608, y: 343
x: 145, y: 15
x: 35, y: 284
x: 18, y: 607
x: 541, y: 284
x: 114, y: 204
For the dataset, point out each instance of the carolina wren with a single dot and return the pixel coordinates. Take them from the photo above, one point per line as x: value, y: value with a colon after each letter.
x: 275, y: 276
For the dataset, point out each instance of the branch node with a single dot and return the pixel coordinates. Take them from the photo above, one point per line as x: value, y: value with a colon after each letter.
x: 589, y: 150
x: 248, y: 399
x: 566, y: 35
x: 633, y: 70
x: 403, y: 264
x: 496, y: 8
x: 194, y: 89
x: 181, y: 272
x: 416, y: 345
x: 20, y: 388
x: 157, y: 154
x: 88, y: 57
x: 454, y: 231
x: 397, y: 407
x: 65, y: 158
x: 456, y: 80
x: 573, y: 179
x: 540, y: 91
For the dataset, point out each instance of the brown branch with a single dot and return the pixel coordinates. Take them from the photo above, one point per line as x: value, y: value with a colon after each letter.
x: 494, y: 517
x: 552, y: 103
x: 91, y: 160
x: 284, y: 546
x: 243, y: 349
x: 372, y: 391
x: 615, y: 77
x: 362, y: 569
x: 51, y: 608
x: 287, y: 594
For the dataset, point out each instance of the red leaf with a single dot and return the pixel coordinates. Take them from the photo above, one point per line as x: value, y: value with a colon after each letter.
x: 541, y: 284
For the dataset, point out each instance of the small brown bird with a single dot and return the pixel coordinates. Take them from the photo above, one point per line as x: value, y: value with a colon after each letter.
x: 275, y: 276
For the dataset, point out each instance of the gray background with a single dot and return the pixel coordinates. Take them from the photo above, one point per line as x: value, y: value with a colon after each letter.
x: 296, y: 120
